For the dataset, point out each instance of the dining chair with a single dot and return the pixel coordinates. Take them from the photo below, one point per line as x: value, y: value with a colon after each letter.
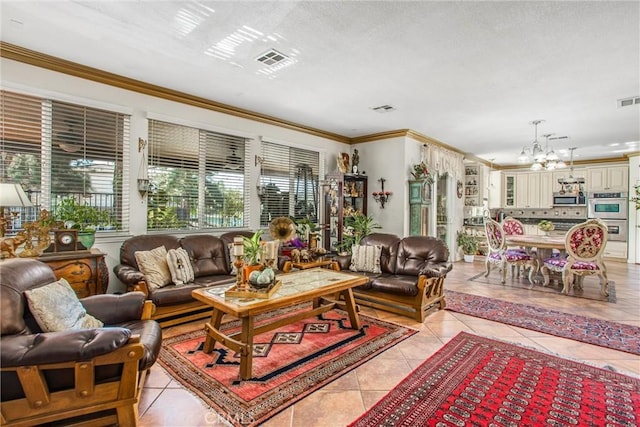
x: 502, y: 257
x: 585, y: 244
x: 512, y: 227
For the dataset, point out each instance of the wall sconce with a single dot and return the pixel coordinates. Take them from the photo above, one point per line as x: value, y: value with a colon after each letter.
x: 143, y: 179
x: 382, y: 196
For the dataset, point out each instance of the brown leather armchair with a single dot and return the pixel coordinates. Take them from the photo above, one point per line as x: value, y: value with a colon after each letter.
x: 73, y: 375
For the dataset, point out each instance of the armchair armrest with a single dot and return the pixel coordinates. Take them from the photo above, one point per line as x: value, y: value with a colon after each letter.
x: 113, y: 309
x: 129, y: 276
x: 437, y: 270
x: 59, y: 347
x: 344, y: 261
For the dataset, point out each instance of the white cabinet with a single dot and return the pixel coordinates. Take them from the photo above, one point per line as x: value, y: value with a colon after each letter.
x: 495, y: 190
x: 528, y: 190
x: 545, y: 188
x: 616, y: 250
x: 608, y: 178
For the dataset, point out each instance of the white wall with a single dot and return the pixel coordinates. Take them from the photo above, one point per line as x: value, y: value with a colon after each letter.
x: 384, y: 159
x: 20, y: 77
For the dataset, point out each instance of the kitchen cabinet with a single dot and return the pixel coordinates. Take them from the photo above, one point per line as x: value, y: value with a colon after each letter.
x: 509, y: 190
x: 528, y: 190
x: 495, y: 190
x: 86, y: 271
x: 608, y: 178
x: 346, y: 196
x: 616, y: 250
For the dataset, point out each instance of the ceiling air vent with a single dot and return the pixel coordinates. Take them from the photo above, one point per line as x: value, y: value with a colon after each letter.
x: 626, y: 102
x: 272, y: 57
x: 383, y: 109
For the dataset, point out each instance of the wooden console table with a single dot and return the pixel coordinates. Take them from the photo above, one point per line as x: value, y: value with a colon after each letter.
x: 86, y: 271
x: 332, y: 265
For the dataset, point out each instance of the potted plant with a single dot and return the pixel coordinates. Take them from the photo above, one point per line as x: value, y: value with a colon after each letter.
x: 468, y: 244
x: 82, y: 217
x: 356, y: 227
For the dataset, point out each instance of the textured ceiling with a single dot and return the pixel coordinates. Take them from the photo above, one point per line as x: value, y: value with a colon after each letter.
x: 470, y: 74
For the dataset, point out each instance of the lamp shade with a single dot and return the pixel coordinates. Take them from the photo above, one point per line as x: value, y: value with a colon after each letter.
x: 13, y: 195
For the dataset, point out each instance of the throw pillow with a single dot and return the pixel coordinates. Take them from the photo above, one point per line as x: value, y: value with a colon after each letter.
x: 366, y: 258
x: 153, y: 264
x: 234, y: 270
x: 180, y: 266
x: 56, y: 307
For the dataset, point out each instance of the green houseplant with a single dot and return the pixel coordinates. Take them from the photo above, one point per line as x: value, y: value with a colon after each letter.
x: 82, y: 217
x: 468, y: 244
x: 253, y: 248
x: 356, y: 227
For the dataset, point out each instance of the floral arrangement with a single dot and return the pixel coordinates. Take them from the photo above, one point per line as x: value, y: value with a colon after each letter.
x: 546, y: 225
x: 420, y: 171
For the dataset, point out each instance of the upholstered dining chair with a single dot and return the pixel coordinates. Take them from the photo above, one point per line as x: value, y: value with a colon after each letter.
x: 502, y: 257
x: 511, y: 227
x: 585, y: 244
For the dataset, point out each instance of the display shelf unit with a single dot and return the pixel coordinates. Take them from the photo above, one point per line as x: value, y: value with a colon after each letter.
x: 472, y: 185
x: 346, y: 195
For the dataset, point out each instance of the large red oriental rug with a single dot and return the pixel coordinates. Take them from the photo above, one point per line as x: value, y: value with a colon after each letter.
x: 474, y: 380
x: 288, y: 363
x: 618, y: 336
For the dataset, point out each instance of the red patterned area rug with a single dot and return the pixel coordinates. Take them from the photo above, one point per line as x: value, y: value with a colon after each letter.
x: 288, y: 363
x: 478, y: 381
x: 617, y: 336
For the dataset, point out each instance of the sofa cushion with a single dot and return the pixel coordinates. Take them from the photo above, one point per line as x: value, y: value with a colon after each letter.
x: 419, y: 253
x: 365, y: 258
x: 395, y: 284
x: 208, y: 254
x: 389, y: 243
x: 180, y: 266
x: 153, y: 264
x: 56, y: 308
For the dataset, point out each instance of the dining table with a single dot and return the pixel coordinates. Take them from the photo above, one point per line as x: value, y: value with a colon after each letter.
x: 544, y: 245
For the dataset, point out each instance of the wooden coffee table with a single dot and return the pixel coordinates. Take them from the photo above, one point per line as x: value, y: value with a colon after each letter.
x: 322, y: 286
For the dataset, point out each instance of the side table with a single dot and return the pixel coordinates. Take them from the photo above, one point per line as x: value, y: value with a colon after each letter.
x: 86, y: 271
x: 333, y: 265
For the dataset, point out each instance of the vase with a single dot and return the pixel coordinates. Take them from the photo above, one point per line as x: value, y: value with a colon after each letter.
x: 87, y: 238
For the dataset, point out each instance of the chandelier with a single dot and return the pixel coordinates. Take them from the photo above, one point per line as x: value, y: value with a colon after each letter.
x: 542, y: 158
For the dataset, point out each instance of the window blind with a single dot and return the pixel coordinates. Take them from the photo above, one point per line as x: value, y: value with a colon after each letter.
x: 289, y: 178
x: 197, y: 178
x: 59, y: 150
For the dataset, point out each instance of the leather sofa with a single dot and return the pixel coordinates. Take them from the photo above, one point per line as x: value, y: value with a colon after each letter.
x: 89, y: 375
x: 412, y: 275
x: 211, y: 262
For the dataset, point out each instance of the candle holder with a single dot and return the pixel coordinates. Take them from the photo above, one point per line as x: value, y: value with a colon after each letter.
x: 238, y: 264
x: 382, y: 197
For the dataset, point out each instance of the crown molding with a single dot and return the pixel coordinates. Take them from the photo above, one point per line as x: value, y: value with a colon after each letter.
x: 27, y: 56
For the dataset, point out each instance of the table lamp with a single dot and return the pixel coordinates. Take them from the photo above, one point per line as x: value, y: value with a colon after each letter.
x: 11, y: 195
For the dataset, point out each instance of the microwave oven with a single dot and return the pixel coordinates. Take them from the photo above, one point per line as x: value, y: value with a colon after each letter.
x: 569, y: 199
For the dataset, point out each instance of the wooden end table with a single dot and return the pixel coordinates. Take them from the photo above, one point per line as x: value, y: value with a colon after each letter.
x: 332, y: 265
x: 324, y: 287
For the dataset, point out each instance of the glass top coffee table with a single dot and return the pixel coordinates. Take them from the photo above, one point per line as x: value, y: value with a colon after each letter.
x: 327, y: 289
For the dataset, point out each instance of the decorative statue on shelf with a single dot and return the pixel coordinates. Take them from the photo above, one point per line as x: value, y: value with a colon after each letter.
x: 343, y: 162
x: 355, y: 160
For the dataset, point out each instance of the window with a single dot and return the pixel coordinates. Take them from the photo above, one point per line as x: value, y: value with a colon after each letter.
x: 59, y: 150
x: 197, y: 178
x: 289, y: 183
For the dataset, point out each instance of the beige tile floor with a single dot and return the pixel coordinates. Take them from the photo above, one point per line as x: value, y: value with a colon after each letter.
x: 165, y: 402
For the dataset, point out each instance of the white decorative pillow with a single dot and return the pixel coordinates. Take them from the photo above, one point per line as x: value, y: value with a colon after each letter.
x: 153, y: 264
x: 366, y: 258
x: 180, y: 266
x: 56, y: 307
x: 234, y: 270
